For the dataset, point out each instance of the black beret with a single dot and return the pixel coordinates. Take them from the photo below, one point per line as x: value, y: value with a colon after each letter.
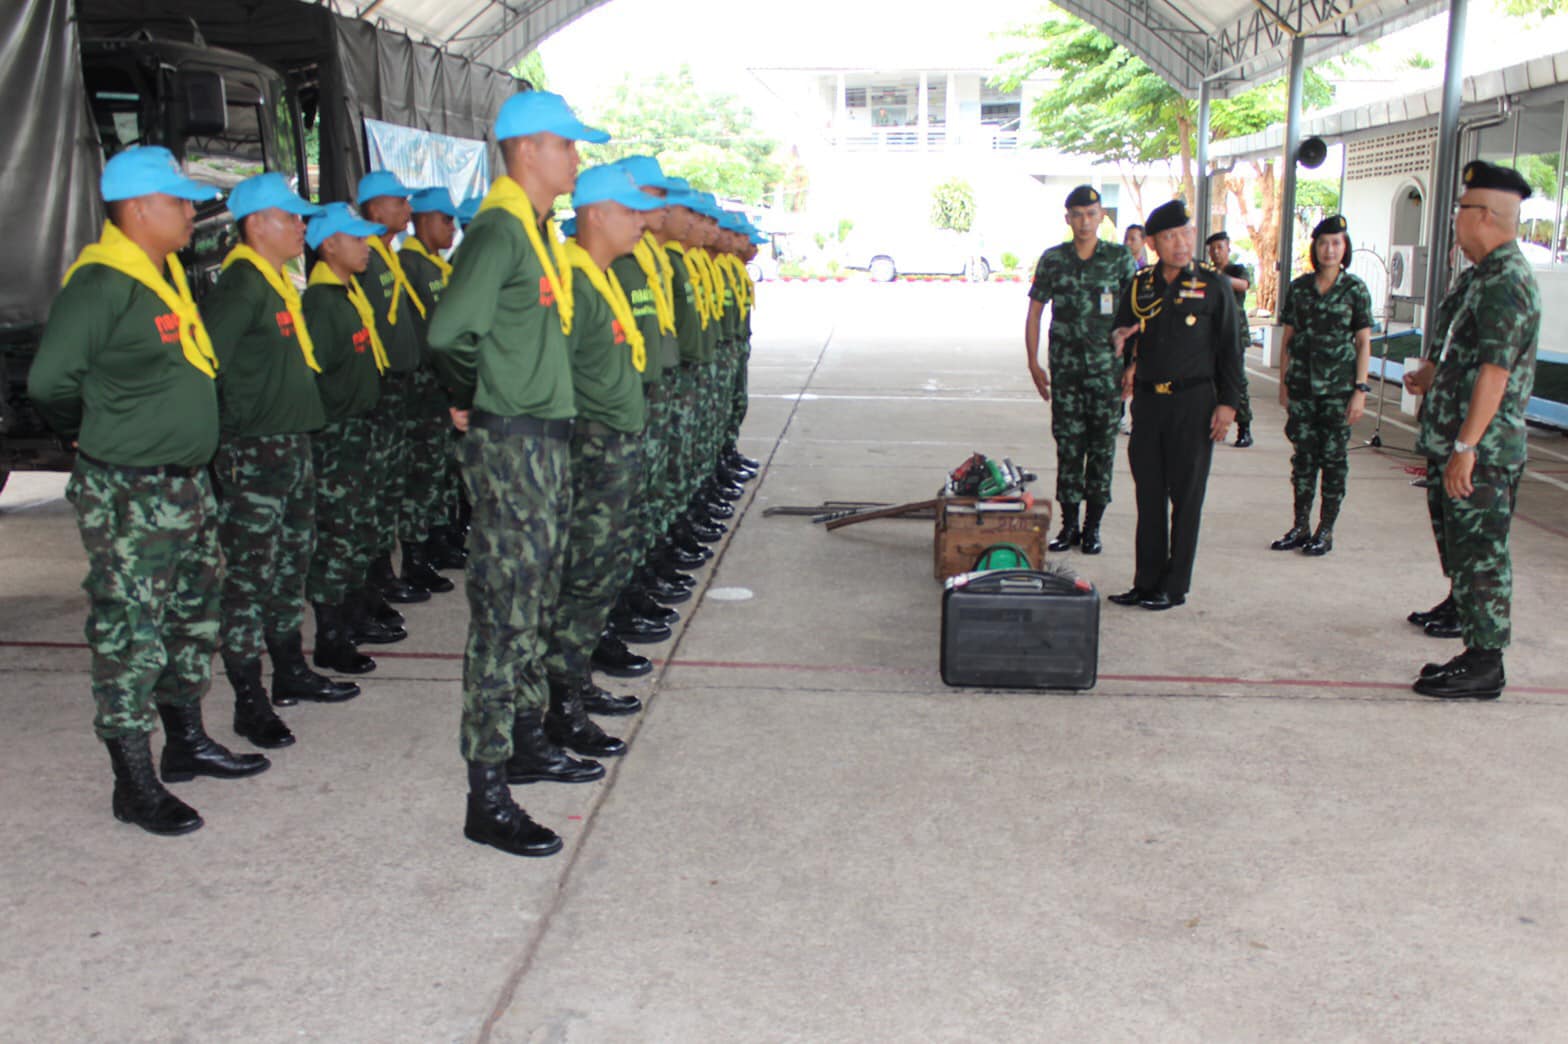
x: 1329, y: 225
x: 1167, y: 216
x: 1221, y: 236
x: 1480, y: 174
x: 1083, y: 196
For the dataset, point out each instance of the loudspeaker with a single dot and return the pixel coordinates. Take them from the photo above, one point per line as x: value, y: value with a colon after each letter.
x: 1311, y: 153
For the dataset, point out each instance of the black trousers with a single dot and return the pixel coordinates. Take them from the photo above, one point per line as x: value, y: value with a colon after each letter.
x: 1169, y: 452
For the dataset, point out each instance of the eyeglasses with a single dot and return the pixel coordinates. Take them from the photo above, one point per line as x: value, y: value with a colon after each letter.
x: 1469, y: 206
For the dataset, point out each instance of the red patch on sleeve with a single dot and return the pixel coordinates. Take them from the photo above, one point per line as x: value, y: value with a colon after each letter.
x: 620, y: 334
x: 361, y: 341
x: 546, y: 292
x: 168, y: 328
x: 285, y: 323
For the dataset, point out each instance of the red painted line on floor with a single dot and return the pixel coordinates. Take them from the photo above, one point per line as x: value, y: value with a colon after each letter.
x: 741, y: 665
x: 1537, y: 523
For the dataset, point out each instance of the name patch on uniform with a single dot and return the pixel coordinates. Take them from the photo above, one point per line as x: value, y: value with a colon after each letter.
x: 361, y: 341
x: 1191, y: 294
x: 285, y: 323
x: 168, y: 328
x: 546, y: 292
x: 1107, y: 302
x: 620, y: 334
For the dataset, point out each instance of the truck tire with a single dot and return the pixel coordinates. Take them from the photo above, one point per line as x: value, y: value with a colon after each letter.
x: 882, y: 269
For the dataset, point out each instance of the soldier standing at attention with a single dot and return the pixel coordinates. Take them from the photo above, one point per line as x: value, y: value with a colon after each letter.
x: 608, y: 357
x: 268, y: 405
x: 349, y: 471
x: 1472, y: 425
x: 1081, y: 280
x: 500, y: 343
x: 1177, y: 326
x: 1218, y: 247
x: 126, y: 369
x: 1324, y: 354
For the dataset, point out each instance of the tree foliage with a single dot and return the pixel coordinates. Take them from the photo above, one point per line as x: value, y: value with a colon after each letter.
x: 953, y: 205
x: 530, y: 67
x: 709, y: 139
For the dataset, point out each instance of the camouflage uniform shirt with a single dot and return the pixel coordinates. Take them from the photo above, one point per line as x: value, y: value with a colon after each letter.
x: 1083, y: 296
x: 1323, y: 343
x: 1492, y: 315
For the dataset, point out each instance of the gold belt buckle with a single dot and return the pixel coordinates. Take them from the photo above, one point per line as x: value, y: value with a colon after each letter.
x: 1162, y: 388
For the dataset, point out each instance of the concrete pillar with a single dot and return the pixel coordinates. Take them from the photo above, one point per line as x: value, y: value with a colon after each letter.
x: 840, y: 111
x: 950, y: 105
x: 1203, y: 202
x: 923, y: 112
x: 1287, y: 204
x: 1442, y: 192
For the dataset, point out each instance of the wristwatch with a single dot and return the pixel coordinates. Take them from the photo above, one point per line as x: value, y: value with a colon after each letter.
x: 1463, y: 447
x: 1363, y: 386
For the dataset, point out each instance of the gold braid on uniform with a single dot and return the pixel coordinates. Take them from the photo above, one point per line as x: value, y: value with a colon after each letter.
x: 1143, y: 315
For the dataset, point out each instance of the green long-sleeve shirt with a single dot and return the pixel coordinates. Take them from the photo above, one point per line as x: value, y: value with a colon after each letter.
x: 110, y: 372
x: 429, y: 284
x: 349, y: 383
x: 688, y: 322
x: 607, y: 385
x: 265, y: 387
x: 496, y: 335
x: 661, y: 346
x: 405, y: 342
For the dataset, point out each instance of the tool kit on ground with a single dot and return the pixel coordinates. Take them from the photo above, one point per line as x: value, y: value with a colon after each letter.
x: 1020, y: 628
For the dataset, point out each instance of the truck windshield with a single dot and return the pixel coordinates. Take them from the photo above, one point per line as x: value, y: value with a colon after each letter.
x: 240, y: 151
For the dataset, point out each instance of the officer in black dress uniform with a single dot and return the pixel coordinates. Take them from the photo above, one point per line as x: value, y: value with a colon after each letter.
x: 1177, y: 331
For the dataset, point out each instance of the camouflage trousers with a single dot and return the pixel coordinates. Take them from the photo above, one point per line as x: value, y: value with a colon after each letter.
x: 152, y: 589
x: 427, y: 435
x: 1085, y: 413
x: 521, y: 492
x: 1472, y: 545
x: 601, y: 539
x: 740, y: 396
x: 348, y: 474
x: 684, y: 433
x: 391, y: 447
x: 655, y: 507
x: 1244, y: 410
x: 1320, y: 438
x: 266, y: 487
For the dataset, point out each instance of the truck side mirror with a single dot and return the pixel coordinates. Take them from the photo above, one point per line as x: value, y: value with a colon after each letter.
x: 204, y: 102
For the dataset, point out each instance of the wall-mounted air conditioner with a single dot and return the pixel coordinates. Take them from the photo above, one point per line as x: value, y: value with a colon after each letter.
x: 1407, y: 272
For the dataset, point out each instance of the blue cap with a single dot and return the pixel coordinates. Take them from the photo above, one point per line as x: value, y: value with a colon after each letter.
x: 380, y: 183
x: 469, y: 209
x: 434, y: 200
x: 678, y: 183
x: 535, y: 112
x: 335, y: 218
x: 614, y: 184
x: 145, y: 169
x: 646, y: 171
x: 265, y: 191
x: 731, y: 221
x: 682, y: 197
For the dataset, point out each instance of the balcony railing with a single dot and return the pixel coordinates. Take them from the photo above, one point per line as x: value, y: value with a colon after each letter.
x: 935, y: 139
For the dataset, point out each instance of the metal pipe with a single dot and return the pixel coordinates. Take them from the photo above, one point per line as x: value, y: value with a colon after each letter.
x: 1203, y: 201
x: 1445, y: 175
x: 1287, y: 203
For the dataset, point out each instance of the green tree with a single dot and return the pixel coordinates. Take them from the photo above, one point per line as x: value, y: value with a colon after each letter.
x: 530, y: 67
x: 953, y: 205
x: 709, y: 139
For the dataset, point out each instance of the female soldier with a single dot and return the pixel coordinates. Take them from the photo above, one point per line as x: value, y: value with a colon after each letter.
x: 1324, y: 355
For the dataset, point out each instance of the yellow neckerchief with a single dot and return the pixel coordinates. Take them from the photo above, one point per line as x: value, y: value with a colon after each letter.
x: 284, y: 288
x: 704, y: 265
x: 400, y: 283
x: 646, y: 252
x: 737, y: 273
x: 414, y: 246
x: 718, y: 281
x: 509, y: 196
x: 609, y: 288
x: 118, y: 251
x: 323, y: 274
x: 692, y: 278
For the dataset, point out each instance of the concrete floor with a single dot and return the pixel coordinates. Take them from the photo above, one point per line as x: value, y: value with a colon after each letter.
x: 1249, y: 830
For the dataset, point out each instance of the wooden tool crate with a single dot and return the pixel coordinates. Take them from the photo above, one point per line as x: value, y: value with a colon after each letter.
x: 963, y: 531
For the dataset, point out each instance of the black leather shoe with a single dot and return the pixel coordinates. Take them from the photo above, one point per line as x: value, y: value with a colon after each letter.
x: 613, y: 658
x: 363, y: 627
x: 495, y: 820
x: 418, y: 571
x: 1322, y: 543
x: 1442, y: 670
x: 380, y: 609
x: 638, y: 630
x: 1477, y: 676
x: 1159, y: 601
x: 1243, y: 436
x: 139, y: 797
x: 392, y: 588
x: 668, y: 569
x: 567, y: 724
x: 703, y: 534
x: 536, y: 759
x: 444, y: 550
x: 662, y: 590
x: 293, y: 680
x: 1446, y: 626
x: 718, y: 511
x: 601, y: 701
x: 744, y: 461
x: 189, y: 752
x: 334, y: 644
x: 1296, y: 536
x: 1130, y: 597
x: 680, y: 556
x: 726, y: 491
x: 639, y: 600
x: 1422, y: 617
x: 254, y: 718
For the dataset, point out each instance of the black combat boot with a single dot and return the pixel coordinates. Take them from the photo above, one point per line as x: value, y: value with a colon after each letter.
x: 380, y: 609
x: 1443, y: 609
x: 641, y: 601
x: 445, y: 549
x: 717, y: 511
x: 1322, y: 542
x: 334, y: 645
x: 1243, y: 436
x: 628, y: 626
x: 613, y: 658
x: 601, y: 701
x: 1070, y: 534
x: 293, y: 680
x: 253, y: 715
x: 189, y: 752
x: 495, y: 820
x: 418, y: 571
x: 718, y: 487
x: 393, y: 589
x: 536, y: 759
x: 1444, y: 624
x: 684, y: 540
x: 703, y: 534
x: 1300, y: 530
x: 737, y: 457
x: 669, y: 558
x: 661, y: 590
x: 567, y: 724
x: 1475, y: 675
x: 359, y: 616
x: 1089, y: 539
x: 139, y: 797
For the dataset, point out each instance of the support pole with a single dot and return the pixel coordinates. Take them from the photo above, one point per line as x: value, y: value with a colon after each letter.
x: 1204, y: 203
x: 1440, y: 228
x: 1287, y: 202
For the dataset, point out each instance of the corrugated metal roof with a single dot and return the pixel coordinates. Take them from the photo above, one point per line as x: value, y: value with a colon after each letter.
x: 1232, y: 43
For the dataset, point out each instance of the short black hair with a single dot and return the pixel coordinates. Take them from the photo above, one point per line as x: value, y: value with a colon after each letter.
x: 1345, y: 263
x: 114, y: 209
x: 1132, y: 227
x: 239, y: 226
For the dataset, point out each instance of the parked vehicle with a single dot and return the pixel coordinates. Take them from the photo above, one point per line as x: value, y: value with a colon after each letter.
x: 889, y: 255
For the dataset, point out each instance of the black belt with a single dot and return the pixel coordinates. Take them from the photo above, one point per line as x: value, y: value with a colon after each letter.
x: 1172, y: 387
x: 550, y: 429
x: 169, y: 470
x: 599, y: 428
